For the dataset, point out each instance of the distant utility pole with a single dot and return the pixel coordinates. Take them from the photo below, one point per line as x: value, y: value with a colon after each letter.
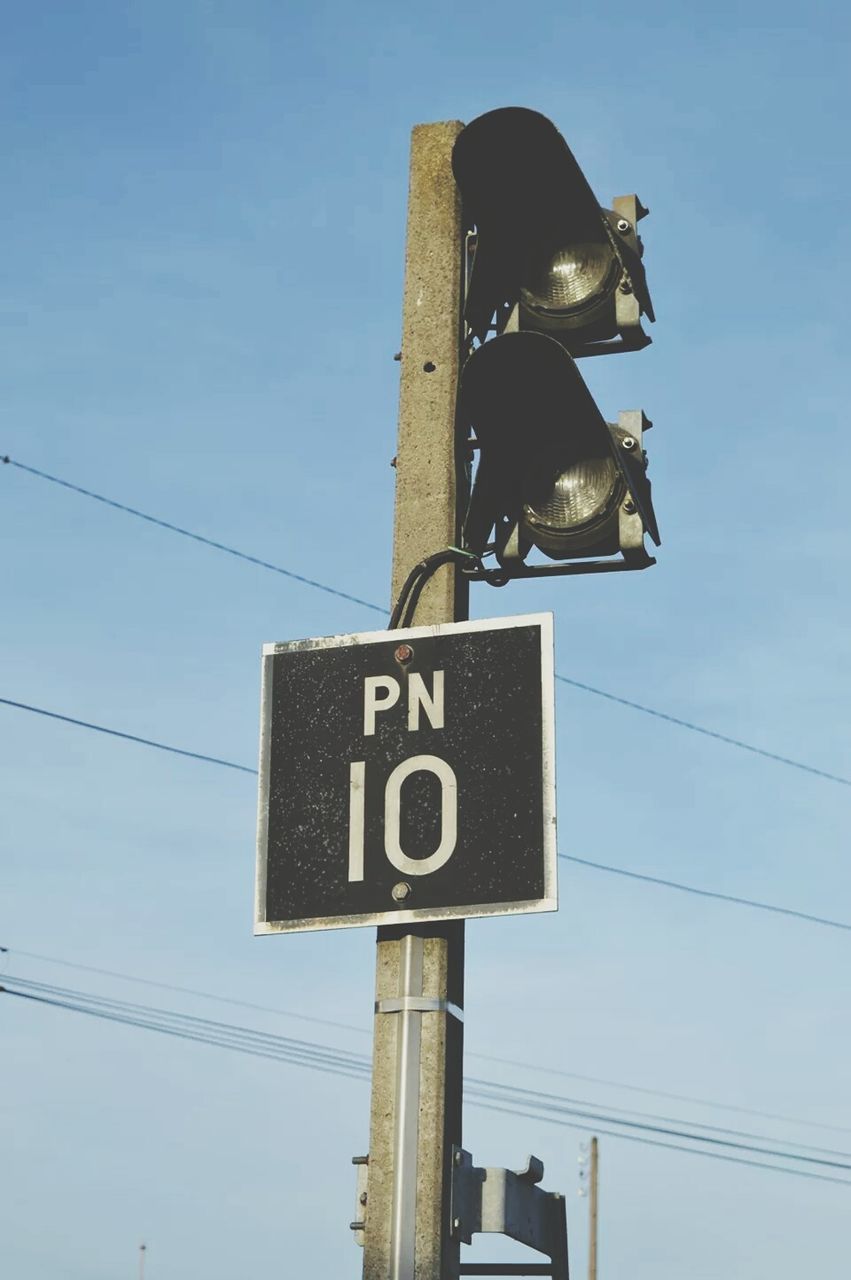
x: 592, y: 1213
x: 143, y: 1248
x: 418, y: 1039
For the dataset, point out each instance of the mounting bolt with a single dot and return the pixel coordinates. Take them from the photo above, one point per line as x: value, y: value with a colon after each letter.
x: 623, y: 226
x: 362, y: 1198
x: 401, y: 891
x: 625, y: 285
x: 628, y: 442
x: 403, y: 654
x: 629, y: 506
x: 456, y: 1224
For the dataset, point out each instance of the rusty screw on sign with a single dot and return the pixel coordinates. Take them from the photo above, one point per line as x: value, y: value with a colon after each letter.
x: 403, y: 654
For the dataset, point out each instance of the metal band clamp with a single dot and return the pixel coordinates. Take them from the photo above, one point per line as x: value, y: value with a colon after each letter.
x: 419, y: 1004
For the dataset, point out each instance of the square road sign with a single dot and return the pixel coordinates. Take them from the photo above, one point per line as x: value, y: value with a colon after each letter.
x: 407, y: 776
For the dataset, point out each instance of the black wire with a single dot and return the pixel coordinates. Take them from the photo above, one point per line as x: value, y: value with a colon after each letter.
x: 660, y: 1093
x: 430, y: 567
x: 666, y: 1146
x: 485, y: 1057
x: 228, y: 1032
x: 597, y: 866
x: 129, y: 737
x: 547, y: 1101
x: 707, y: 733
x: 492, y: 576
x: 358, y: 1069
x: 183, y: 1034
x: 199, y: 1025
x: 551, y: 1104
x: 196, y: 537
x: 189, y: 991
x: 399, y: 607
x: 412, y: 588
x: 708, y: 893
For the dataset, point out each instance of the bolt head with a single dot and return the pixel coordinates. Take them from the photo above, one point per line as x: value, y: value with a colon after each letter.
x: 623, y: 226
x: 629, y: 506
x: 403, y: 653
x: 628, y: 442
x: 401, y: 891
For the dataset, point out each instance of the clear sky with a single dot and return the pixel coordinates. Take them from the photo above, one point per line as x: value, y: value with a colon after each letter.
x: 203, y: 223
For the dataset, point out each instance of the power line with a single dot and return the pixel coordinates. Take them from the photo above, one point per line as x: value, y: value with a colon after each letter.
x: 196, y: 537
x: 188, y: 991
x: 366, y: 604
x: 226, y: 1031
x: 708, y: 733
x: 708, y: 893
x: 506, y: 1099
x: 299, y: 1049
x: 484, y: 1057
x: 660, y: 1093
x: 129, y: 737
x: 164, y: 1027
x: 667, y: 1146
x: 229, y: 1033
x: 566, y: 1106
x: 597, y: 866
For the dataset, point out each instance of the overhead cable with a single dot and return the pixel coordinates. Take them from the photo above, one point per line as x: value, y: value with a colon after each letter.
x: 228, y: 1034
x: 129, y: 737
x: 196, y: 537
x: 708, y: 733
x: 597, y: 866
x: 299, y: 1016
x: 507, y: 1099
x: 367, y: 604
x: 707, y: 893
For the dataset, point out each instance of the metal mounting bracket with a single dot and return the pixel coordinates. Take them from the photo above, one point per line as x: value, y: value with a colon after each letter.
x: 358, y: 1224
x: 509, y: 1204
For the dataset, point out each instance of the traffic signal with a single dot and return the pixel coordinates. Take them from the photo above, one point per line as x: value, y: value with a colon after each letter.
x: 553, y: 277
x: 543, y: 242
x: 552, y: 472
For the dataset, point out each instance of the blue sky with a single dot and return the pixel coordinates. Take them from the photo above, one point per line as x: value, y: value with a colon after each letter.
x: 201, y: 292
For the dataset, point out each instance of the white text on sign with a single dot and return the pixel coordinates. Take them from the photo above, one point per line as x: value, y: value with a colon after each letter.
x: 418, y: 698
x: 380, y: 695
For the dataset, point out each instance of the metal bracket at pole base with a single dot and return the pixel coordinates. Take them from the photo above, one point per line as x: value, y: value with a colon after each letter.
x: 510, y: 1204
x: 359, y: 1223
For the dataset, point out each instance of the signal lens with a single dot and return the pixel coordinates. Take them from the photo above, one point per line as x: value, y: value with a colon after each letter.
x: 564, y: 505
x: 571, y: 279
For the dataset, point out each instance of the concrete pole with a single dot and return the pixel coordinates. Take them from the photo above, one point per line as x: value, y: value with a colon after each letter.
x: 592, y: 1214
x: 418, y: 1053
